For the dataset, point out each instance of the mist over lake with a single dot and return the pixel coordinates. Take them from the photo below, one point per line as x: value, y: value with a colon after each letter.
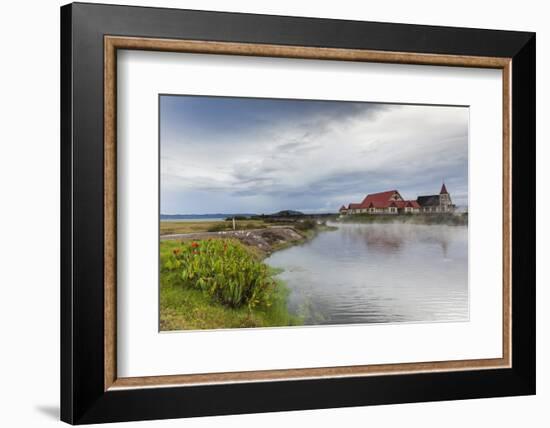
x: 378, y: 273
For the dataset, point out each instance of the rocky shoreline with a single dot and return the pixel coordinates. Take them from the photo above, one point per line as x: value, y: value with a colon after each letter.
x: 265, y: 240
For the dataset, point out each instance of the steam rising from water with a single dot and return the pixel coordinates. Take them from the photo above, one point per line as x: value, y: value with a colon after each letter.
x: 379, y: 273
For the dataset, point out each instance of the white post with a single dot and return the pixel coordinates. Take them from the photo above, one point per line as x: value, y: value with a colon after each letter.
x: 233, y: 223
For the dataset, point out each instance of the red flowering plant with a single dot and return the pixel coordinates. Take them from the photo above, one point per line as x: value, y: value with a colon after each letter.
x: 224, y: 270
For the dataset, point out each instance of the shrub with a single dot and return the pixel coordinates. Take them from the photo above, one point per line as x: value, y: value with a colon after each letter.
x: 218, y: 227
x: 304, y: 225
x: 237, y: 217
x: 224, y: 270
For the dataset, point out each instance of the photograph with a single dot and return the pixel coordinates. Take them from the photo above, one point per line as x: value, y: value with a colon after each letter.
x: 279, y: 210
x: 292, y: 212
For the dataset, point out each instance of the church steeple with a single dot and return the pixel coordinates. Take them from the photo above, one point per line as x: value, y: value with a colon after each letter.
x: 443, y: 190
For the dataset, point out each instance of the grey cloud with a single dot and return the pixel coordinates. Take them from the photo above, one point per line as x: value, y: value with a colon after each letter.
x: 320, y: 161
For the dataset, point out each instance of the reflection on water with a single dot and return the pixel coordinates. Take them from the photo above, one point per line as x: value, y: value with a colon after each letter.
x: 373, y: 273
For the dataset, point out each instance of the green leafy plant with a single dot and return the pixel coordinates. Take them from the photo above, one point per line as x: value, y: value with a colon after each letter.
x: 225, y: 271
x: 303, y: 225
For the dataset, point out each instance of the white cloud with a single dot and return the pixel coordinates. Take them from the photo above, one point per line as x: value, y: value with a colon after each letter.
x: 331, y: 160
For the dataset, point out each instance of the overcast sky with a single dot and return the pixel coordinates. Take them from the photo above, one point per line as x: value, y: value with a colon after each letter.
x: 245, y: 155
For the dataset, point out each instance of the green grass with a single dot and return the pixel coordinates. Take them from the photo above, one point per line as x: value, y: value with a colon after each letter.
x: 185, y: 306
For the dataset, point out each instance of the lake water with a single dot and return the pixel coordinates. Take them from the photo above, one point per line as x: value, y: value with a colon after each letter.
x: 378, y: 273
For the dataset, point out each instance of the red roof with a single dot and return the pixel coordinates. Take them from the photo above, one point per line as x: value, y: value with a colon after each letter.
x: 413, y: 204
x: 403, y: 204
x: 397, y: 204
x: 443, y: 190
x: 383, y: 200
x: 378, y: 200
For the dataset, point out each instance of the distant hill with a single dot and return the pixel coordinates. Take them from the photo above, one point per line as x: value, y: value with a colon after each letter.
x: 287, y: 213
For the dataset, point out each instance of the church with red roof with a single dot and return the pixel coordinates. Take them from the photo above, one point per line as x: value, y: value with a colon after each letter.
x: 391, y: 202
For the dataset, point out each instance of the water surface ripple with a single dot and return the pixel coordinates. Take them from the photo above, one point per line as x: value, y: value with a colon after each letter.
x: 378, y: 273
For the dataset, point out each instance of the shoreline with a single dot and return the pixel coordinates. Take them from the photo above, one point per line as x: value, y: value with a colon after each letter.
x: 189, y: 309
x: 265, y: 241
x: 417, y: 219
x: 265, y: 238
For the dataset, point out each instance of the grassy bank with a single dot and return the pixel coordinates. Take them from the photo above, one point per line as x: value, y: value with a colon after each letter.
x: 434, y: 219
x: 310, y: 228
x: 220, y: 283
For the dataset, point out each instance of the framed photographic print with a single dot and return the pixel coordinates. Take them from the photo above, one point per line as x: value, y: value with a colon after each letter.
x: 266, y: 213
